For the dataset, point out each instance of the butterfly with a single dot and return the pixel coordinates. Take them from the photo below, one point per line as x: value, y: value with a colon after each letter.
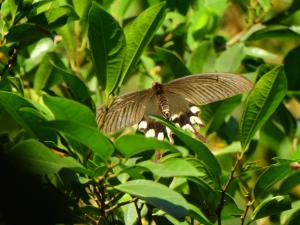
x: 177, y: 101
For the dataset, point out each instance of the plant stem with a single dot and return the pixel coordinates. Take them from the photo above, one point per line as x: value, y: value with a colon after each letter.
x: 225, y: 188
x: 138, y: 210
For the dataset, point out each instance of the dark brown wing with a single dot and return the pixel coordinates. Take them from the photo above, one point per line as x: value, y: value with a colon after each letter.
x: 202, y: 89
x: 125, y: 111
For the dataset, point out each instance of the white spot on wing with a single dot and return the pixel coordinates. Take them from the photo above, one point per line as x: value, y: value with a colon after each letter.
x: 195, y: 120
x: 143, y: 125
x: 174, y: 116
x: 188, y: 127
x: 160, y: 136
x: 150, y: 133
x: 194, y: 109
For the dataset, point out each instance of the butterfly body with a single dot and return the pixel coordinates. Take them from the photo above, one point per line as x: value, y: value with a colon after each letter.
x: 177, y: 101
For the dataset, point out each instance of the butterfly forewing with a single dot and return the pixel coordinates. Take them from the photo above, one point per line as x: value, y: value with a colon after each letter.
x: 207, y: 88
x: 125, y: 111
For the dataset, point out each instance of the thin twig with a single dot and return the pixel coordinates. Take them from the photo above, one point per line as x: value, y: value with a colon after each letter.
x: 138, y: 210
x: 249, y: 203
x: 116, y: 206
x: 225, y: 188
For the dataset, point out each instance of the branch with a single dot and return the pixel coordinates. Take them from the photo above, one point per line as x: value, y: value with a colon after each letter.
x: 225, y: 188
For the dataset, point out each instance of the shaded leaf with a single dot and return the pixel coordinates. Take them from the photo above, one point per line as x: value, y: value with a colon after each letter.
x: 84, y: 134
x: 215, y: 113
x: 291, y: 67
x: 269, y: 177
x: 175, y: 64
x: 290, y: 182
x: 271, y: 206
x: 34, y: 157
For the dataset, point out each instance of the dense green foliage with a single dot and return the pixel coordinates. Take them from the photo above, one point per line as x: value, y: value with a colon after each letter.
x: 60, y: 59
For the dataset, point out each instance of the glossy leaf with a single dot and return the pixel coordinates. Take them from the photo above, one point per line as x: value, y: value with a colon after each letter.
x: 171, y: 168
x: 36, y: 158
x: 262, y: 102
x: 203, y: 153
x: 108, y: 46
x: 130, y: 145
x: 269, y: 177
x: 271, y: 206
x: 139, y: 33
x: 156, y: 195
x: 84, y: 134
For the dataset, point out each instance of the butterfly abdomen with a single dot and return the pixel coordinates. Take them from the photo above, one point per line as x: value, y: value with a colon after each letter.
x: 163, y: 102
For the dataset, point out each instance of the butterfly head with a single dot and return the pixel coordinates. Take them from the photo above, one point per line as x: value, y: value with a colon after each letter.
x: 157, y: 87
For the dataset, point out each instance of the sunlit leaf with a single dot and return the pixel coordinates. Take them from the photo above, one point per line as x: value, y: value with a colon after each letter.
x: 156, y: 195
x: 108, y: 46
x: 262, y: 102
x: 139, y: 33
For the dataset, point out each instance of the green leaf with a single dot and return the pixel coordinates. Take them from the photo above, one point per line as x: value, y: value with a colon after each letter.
x: 194, y: 212
x: 290, y: 182
x: 84, y: 134
x: 270, y: 177
x: 274, y: 31
x: 34, y: 157
x: 271, y: 206
x: 77, y: 87
x: 291, y: 67
x: 22, y: 33
x: 231, y: 58
x: 171, y: 167
x: 42, y: 74
x: 287, y: 120
x: 157, y: 195
x: 214, y: 114
x: 203, y: 153
x: 139, y: 33
x: 108, y: 46
x: 262, y: 102
x: 55, y: 17
x: 66, y: 109
x: 175, y: 64
x: 294, y: 219
x: 12, y: 103
x: 130, y: 145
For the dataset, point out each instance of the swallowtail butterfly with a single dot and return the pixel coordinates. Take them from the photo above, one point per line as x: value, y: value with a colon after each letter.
x: 177, y: 101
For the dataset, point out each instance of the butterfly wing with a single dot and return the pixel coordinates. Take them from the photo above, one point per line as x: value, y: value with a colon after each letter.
x: 202, y: 89
x: 125, y: 111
